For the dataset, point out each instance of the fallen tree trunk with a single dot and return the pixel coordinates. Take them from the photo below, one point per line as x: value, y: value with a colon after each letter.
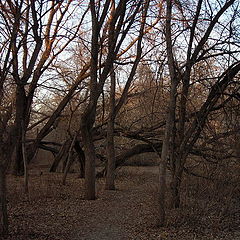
x: 138, y: 149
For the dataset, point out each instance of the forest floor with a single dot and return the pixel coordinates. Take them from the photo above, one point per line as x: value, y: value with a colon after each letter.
x: 56, y: 212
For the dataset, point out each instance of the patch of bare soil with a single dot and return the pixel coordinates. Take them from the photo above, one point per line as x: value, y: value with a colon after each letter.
x: 56, y: 212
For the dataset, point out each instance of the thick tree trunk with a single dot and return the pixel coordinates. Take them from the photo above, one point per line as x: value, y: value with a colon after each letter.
x: 21, y: 117
x: 3, y: 203
x: 175, y: 191
x: 176, y: 178
x: 90, y: 156
x: 86, y: 125
x: 18, y: 161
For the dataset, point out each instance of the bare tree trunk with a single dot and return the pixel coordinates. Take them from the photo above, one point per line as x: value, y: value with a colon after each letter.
x: 24, y: 160
x: 88, y: 117
x: 90, y: 156
x: 162, y: 183
x: 69, y: 160
x: 18, y: 161
x: 67, y: 168
x: 3, y: 203
x: 165, y: 154
x: 110, y: 138
x: 175, y: 188
x: 21, y: 116
x: 170, y: 119
x: 113, y: 110
x: 97, y: 79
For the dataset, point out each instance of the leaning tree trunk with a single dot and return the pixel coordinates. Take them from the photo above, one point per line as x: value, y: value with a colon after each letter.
x: 62, y: 154
x: 70, y: 160
x: 3, y: 203
x: 69, y: 163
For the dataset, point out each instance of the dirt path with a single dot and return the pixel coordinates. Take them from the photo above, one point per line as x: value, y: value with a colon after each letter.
x: 106, y: 223
x: 120, y: 214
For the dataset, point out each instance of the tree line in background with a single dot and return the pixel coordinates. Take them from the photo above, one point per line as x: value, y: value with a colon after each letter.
x: 113, y: 79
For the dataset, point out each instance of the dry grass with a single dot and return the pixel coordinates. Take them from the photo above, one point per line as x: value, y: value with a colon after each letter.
x: 56, y: 212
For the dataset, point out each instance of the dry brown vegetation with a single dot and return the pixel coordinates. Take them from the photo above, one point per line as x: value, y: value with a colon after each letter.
x: 210, y: 210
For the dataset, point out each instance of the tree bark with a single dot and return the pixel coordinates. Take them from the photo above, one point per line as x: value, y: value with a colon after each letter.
x: 90, y: 156
x: 169, y: 130
x: 175, y: 188
x: 21, y: 107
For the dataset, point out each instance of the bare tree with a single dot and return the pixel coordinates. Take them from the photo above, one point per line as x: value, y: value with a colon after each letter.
x: 119, y: 26
x: 181, y: 135
x: 32, y: 45
x: 113, y: 110
x: 170, y: 117
x: 30, y: 42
